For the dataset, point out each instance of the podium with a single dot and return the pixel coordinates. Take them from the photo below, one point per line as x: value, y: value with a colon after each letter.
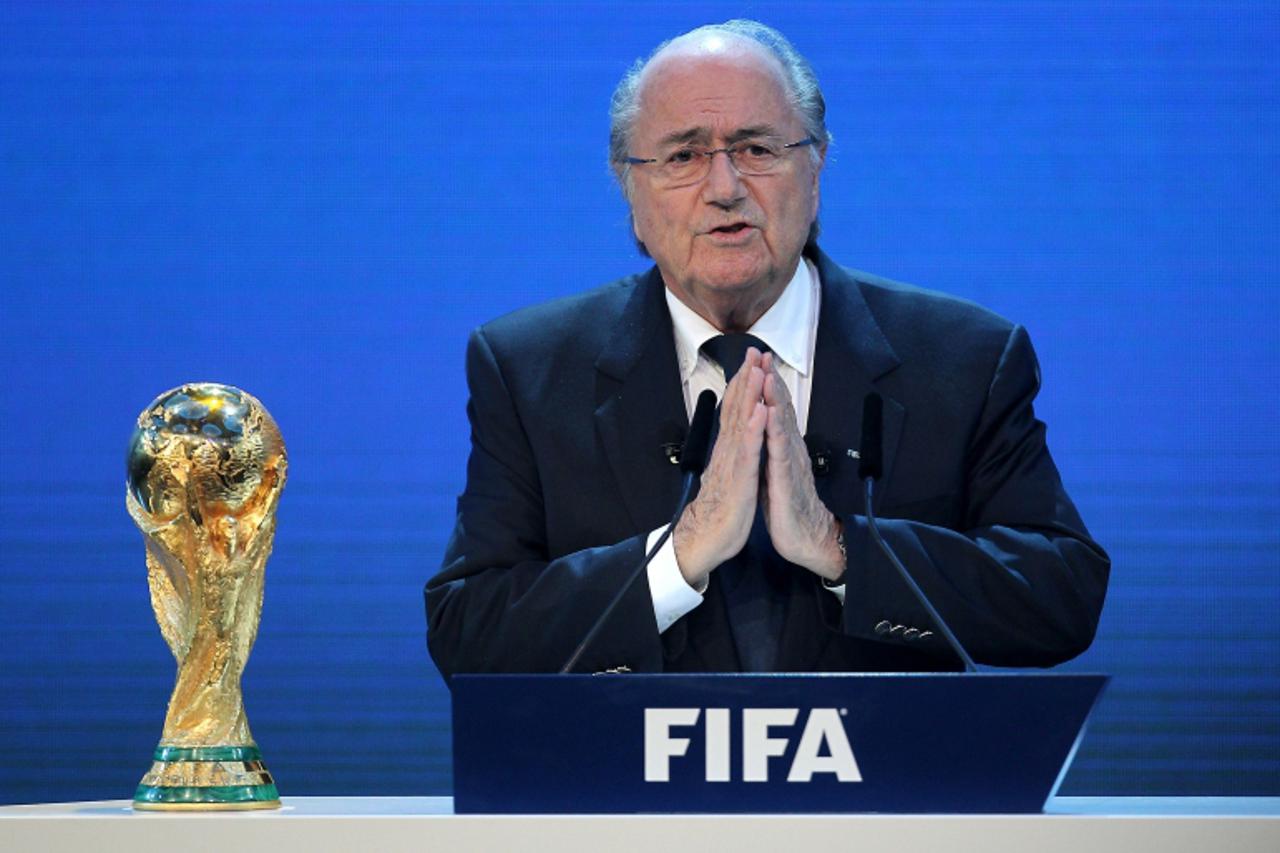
x: 765, y: 744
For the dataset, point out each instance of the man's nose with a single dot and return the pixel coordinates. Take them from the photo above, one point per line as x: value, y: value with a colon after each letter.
x: 723, y: 184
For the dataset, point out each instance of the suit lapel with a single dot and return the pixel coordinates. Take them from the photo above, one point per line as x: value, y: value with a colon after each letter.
x: 852, y: 353
x: 640, y: 405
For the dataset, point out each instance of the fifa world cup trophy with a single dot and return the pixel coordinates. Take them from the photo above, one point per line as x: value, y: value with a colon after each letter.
x: 206, y: 466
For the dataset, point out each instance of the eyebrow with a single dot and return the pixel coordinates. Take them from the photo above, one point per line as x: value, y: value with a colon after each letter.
x: 702, y: 134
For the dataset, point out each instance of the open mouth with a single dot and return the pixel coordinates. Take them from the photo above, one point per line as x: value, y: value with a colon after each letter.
x: 735, y: 228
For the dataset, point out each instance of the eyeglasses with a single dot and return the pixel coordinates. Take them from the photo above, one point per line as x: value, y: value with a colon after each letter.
x: 688, y: 165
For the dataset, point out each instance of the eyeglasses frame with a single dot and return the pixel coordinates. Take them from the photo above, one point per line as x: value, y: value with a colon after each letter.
x: 727, y: 150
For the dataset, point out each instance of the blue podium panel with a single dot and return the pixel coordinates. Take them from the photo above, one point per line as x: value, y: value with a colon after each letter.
x: 988, y: 742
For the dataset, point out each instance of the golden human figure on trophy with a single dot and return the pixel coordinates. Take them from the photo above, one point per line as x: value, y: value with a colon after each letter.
x: 206, y: 466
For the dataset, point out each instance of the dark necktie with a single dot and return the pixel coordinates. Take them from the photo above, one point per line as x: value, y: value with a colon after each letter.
x: 729, y: 351
x: 754, y: 581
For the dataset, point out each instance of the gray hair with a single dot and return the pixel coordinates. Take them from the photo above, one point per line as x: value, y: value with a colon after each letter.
x: 802, y: 89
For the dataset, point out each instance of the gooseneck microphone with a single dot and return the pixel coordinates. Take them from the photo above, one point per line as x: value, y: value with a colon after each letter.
x: 693, y: 459
x: 693, y: 456
x: 871, y: 451
x: 870, y: 467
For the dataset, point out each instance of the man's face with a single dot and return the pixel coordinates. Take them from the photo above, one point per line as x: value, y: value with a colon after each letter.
x: 727, y: 236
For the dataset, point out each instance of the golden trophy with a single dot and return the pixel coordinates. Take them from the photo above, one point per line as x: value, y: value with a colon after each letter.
x: 206, y: 466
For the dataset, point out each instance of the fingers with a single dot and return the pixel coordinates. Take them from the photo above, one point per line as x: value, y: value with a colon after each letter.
x: 743, y: 416
x: 776, y: 434
x: 775, y: 390
x: 752, y: 367
x: 742, y: 396
x: 782, y: 425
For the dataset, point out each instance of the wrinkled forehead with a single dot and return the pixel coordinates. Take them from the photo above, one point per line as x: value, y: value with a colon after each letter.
x: 707, y: 86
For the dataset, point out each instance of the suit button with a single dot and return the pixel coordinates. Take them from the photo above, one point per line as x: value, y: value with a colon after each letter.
x: 896, y: 630
x: 911, y: 633
x: 883, y: 627
x: 924, y: 635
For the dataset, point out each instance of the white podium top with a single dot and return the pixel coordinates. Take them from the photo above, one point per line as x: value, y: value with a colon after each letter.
x: 389, y: 824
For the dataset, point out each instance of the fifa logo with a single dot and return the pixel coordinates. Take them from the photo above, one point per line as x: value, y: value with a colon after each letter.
x: 765, y: 733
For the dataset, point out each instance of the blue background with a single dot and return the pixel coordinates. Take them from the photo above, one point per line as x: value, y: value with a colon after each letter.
x: 317, y: 202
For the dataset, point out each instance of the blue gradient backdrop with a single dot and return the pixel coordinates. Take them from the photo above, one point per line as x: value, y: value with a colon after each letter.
x: 317, y: 202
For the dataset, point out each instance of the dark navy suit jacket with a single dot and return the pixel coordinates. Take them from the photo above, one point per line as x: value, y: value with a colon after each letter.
x: 572, y: 403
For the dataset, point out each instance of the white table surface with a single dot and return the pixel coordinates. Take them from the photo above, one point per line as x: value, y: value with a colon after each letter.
x: 321, y: 824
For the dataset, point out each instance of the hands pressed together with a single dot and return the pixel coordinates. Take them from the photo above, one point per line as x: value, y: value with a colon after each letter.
x: 756, y: 417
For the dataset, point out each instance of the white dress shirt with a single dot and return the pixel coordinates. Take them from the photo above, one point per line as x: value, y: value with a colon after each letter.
x: 790, y: 329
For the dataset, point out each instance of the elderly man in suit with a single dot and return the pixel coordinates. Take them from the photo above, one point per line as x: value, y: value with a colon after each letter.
x: 718, y: 140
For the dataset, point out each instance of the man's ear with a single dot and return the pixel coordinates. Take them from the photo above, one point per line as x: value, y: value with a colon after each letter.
x: 635, y: 232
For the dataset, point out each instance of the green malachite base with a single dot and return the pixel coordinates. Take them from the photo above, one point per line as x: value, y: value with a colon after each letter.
x: 224, y: 795
x: 207, y: 777
x: 207, y: 753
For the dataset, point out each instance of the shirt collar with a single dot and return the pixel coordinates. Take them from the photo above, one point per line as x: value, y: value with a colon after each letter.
x: 785, y: 327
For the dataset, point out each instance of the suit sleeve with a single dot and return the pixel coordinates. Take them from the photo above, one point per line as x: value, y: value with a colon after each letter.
x: 501, y: 602
x: 1022, y: 584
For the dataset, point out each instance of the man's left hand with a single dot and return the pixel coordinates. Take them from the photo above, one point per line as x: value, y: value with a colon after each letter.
x: 803, y: 530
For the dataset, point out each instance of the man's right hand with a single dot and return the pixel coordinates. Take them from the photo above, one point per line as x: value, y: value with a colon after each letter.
x: 715, y: 526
